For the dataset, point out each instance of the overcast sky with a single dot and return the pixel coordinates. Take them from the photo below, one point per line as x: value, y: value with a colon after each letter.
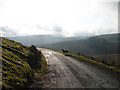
x: 58, y: 17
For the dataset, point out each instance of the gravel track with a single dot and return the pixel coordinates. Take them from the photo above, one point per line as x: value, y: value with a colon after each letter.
x: 66, y: 72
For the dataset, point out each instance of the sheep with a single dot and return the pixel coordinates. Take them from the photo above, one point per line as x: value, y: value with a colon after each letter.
x: 64, y: 50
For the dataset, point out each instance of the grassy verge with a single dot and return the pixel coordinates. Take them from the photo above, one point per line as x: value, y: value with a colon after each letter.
x: 39, y: 73
x: 89, y: 60
x: 42, y: 70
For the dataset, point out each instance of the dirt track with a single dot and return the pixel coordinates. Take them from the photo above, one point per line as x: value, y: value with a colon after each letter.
x: 66, y: 72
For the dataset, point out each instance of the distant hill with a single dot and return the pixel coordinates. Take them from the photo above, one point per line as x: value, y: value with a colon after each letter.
x: 113, y: 38
x: 93, y: 45
x: 42, y: 39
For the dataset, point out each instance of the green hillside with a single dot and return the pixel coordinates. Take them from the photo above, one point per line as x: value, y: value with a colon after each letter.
x: 113, y: 38
x: 19, y: 64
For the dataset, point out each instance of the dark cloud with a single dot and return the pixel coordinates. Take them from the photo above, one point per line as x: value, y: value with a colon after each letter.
x: 5, y: 31
x: 57, y: 29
